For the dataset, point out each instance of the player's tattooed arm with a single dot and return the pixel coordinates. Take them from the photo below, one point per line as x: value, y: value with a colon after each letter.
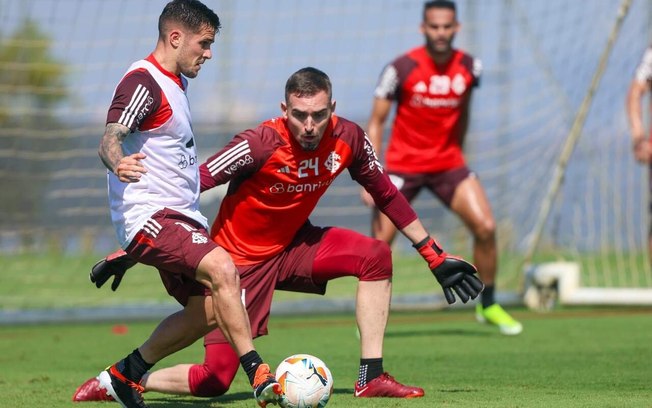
x: 128, y: 168
x: 111, y: 145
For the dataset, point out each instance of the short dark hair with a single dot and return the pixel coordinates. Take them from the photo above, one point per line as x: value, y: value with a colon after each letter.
x: 442, y: 4
x: 308, y: 81
x: 192, y: 14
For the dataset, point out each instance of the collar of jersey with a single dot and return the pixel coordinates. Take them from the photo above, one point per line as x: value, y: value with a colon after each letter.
x: 176, y: 78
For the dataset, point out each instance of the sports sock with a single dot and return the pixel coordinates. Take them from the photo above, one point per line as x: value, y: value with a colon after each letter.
x: 488, y: 296
x: 370, y: 368
x: 250, y: 362
x: 134, y: 366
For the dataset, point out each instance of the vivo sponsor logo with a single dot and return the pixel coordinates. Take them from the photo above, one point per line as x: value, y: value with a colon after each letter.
x: 280, y: 188
x: 371, y: 155
x: 144, y: 111
x: 237, y: 164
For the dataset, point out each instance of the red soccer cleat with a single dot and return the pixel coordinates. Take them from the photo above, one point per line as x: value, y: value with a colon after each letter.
x: 91, y: 391
x: 266, y: 389
x: 386, y: 386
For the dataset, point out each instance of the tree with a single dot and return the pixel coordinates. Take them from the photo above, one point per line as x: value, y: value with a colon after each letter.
x: 32, y: 83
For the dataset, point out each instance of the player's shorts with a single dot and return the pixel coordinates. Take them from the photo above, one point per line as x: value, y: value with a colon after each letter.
x: 315, y: 256
x: 442, y: 184
x: 174, y: 244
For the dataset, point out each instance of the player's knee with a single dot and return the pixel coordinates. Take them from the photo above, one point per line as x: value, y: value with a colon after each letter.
x: 222, y: 273
x: 377, y: 264
x: 204, y: 383
x: 485, y: 231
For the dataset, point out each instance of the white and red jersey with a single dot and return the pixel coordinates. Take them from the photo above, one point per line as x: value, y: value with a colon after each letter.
x: 152, y: 102
x: 644, y: 69
x: 275, y: 184
x: 425, y: 136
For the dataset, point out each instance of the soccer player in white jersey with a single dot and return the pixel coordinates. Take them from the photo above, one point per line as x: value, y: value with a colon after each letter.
x: 148, y: 148
x: 640, y: 85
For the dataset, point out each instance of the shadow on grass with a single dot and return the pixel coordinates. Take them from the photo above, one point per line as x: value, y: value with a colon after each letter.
x: 442, y: 332
x: 173, y: 401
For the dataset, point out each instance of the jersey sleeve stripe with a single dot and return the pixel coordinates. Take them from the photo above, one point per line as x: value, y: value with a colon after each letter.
x: 131, y: 110
x: 228, y: 157
x: 387, y: 84
x: 644, y: 70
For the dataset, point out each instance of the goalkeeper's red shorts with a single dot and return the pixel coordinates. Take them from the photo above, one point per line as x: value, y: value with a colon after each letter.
x: 315, y: 256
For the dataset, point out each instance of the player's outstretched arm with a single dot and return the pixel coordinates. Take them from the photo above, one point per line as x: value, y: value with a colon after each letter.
x: 453, y: 274
x: 115, y: 264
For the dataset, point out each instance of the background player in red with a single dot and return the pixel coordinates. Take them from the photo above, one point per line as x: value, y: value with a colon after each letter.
x: 432, y: 87
x: 277, y: 173
x: 148, y: 148
x: 641, y: 146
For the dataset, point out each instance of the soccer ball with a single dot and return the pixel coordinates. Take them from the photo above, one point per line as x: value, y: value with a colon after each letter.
x: 306, y: 381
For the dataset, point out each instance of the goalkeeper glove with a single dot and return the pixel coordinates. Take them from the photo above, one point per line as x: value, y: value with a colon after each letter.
x: 115, y: 264
x: 452, y: 273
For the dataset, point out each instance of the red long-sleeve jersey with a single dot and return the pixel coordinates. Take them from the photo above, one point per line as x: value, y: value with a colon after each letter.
x: 275, y: 185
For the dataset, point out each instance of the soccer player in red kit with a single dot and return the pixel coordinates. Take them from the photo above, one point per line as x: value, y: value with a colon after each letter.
x: 432, y: 86
x: 277, y: 173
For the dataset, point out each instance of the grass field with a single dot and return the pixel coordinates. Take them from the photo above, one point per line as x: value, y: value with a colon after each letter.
x: 57, y: 281
x: 42, y: 281
x: 570, y: 357
x: 566, y: 358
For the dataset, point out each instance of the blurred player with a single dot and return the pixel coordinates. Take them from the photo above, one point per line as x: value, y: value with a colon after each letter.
x: 148, y: 148
x: 432, y: 87
x: 277, y: 173
x: 640, y: 85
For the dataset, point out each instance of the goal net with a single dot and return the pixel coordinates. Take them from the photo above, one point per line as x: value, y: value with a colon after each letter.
x: 544, y: 64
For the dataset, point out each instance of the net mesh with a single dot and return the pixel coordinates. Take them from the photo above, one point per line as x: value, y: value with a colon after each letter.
x: 61, y: 59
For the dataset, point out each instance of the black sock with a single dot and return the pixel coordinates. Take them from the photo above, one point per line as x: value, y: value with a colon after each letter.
x: 250, y: 363
x: 134, y: 366
x: 488, y: 296
x: 370, y: 368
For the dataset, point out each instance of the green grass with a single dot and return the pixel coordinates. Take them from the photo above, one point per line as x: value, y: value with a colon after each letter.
x: 39, y: 281
x: 566, y: 358
x: 570, y: 357
x: 56, y: 281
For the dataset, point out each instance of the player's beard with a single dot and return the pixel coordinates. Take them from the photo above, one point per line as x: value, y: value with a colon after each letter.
x: 309, y: 147
x: 439, y: 48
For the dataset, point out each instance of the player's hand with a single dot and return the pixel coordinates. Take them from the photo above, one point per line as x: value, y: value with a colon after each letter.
x: 453, y: 274
x: 130, y: 169
x: 115, y: 264
x: 642, y: 150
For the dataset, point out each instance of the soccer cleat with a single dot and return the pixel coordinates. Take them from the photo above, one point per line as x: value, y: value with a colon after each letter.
x: 91, y: 391
x: 497, y: 316
x: 126, y: 392
x: 386, y: 386
x: 266, y: 389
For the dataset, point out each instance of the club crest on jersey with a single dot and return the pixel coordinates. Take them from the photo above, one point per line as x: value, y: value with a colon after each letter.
x: 199, y: 238
x: 333, y: 163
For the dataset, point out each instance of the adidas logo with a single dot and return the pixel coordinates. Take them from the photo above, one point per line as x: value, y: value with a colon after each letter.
x: 420, y: 87
x: 284, y: 169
